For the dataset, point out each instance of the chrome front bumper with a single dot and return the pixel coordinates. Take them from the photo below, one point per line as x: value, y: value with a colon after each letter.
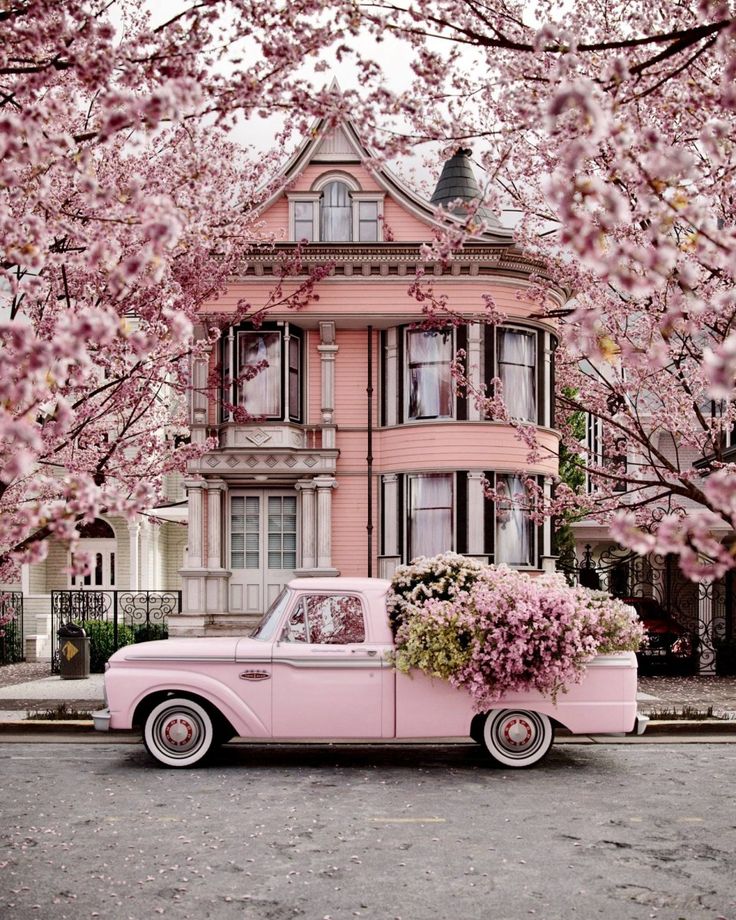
x: 101, y: 718
x: 641, y: 723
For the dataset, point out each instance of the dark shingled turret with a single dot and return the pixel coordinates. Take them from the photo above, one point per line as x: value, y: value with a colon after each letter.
x: 457, y: 180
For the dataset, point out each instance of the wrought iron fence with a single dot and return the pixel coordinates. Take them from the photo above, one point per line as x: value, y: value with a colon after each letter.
x: 654, y: 584
x: 11, y: 627
x: 133, y: 616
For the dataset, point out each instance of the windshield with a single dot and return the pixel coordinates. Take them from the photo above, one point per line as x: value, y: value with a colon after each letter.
x: 271, y: 618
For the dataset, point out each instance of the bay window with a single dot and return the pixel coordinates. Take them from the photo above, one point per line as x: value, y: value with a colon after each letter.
x: 262, y: 372
x: 429, y: 355
x: 517, y: 370
x: 514, y: 527
x: 424, y: 514
x: 259, y: 356
x: 430, y: 514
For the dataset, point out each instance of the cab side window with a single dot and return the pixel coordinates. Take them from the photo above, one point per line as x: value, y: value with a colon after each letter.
x: 334, y: 619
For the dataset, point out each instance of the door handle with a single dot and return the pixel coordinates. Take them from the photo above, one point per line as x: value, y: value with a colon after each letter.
x: 364, y: 651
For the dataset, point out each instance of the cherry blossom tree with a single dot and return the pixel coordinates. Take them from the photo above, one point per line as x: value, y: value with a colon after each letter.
x: 124, y: 206
x: 609, y: 126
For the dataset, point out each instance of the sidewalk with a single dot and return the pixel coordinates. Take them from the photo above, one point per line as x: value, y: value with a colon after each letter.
x: 679, y: 701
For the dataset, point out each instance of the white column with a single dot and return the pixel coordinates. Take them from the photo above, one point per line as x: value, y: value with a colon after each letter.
x: 472, y: 371
x: 156, y: 581
x: 327, y: 351
x: 325, y: 485
x: 476, y: 513
x: 215, y: 492
x: 144, y: 572
x: 199, y: 391
x: 133, y: 532
x: 194, y: 493
x: 306, y: 489
x: 390, y: 497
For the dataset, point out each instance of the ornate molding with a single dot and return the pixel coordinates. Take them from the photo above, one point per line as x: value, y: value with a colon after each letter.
x: 228, y: 464
x: 398, y: 259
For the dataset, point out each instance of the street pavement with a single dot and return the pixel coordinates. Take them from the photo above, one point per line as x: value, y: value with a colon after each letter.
x: 616, y: 831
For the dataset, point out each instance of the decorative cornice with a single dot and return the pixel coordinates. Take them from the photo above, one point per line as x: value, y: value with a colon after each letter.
x: 399, y: 259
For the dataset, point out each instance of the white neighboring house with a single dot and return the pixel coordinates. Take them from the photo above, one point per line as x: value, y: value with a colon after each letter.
x: 144, y: 554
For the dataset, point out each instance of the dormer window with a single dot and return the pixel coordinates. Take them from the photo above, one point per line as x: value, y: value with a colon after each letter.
x: 335, y: 210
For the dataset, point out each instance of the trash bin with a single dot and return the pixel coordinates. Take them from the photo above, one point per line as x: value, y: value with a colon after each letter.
x: 73, y: 652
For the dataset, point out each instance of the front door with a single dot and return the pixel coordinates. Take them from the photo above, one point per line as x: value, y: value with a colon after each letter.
x: 262, y: 541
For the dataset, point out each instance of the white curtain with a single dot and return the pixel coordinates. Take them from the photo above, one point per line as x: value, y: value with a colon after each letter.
x: 514, y: 529
x: 262, y: 394
x: 430, y: 515
x: 517, y: 370
x: 337, y: 213
x: 429, y: 375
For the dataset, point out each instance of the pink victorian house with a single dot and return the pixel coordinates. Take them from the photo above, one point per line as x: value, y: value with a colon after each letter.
x: 362, y: 456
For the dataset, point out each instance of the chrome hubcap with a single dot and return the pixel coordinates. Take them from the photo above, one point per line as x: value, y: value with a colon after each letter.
x: 179, y: 732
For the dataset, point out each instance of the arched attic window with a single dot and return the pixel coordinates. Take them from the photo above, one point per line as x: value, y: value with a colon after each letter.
x: 336, y: 213
x: 336, y: 210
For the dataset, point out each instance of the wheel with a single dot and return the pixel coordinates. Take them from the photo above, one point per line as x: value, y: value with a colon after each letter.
x: 178, y: 732
x: 517, y: 738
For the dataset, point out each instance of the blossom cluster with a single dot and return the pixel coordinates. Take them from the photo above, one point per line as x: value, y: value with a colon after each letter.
x: 496, y: 630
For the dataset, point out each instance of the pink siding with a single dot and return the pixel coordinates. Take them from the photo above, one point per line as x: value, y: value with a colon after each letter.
x: 382, y: 299
x: 466, y: 445
x: 275, y: 220
x: 402, y: 226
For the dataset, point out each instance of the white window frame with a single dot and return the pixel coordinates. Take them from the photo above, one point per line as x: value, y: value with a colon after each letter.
x: 406, y: 383
x: 406, y: 510
x: 370, y: 197
x: 314, y: 195
x: 293, y: 197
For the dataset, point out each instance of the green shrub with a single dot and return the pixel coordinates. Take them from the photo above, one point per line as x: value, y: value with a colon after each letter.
x: 101, y: 634
x: 150, y: 632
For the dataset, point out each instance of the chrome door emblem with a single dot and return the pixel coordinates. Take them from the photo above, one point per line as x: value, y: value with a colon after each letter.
x: 254, y: 675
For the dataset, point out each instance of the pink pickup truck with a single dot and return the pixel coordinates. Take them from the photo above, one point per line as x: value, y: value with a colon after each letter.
x: 319, y: 667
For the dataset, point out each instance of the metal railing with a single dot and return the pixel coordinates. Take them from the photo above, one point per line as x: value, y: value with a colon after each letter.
x: 11, y: 627
x: 133, y: 616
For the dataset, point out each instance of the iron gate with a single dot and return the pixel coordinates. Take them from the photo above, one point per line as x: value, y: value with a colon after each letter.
x: 655, y: 584
x: 11, y: 627
x: 131, y: 616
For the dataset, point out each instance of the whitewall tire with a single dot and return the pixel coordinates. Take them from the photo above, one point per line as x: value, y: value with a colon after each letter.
x: 178, y: 732
x: 516, y: 737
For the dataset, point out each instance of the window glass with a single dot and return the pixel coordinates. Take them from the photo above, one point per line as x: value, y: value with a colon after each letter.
x: 296, y: 628
x: 517, y: 366
x: 244, y: 532
x: 261, y: 353
x: 294, y: 361
x: 303, y: 220
x: 281, y: 532
x: 368, y: 221
x: 430, y: 514
x: 514, y: 527
x: 272, y: 617
x: 337, y: 213
x: 335, y: 619
x: 430, y: 385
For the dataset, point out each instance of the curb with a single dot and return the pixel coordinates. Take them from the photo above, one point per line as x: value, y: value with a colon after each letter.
x: 77, y: 726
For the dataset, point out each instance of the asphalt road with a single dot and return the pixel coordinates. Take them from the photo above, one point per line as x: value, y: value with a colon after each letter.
x: 272, y: 833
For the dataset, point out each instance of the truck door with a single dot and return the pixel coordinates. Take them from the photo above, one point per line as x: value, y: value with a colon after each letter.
x: 326, y: 677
